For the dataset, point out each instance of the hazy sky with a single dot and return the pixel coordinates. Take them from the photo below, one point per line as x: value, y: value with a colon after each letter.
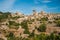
x: 26, y: 6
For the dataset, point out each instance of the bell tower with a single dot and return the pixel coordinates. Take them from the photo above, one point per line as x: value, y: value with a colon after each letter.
x: 42, y: 13
x: 34, y: 12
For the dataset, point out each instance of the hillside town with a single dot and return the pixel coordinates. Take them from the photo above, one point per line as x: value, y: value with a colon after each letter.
x: 17, y: 26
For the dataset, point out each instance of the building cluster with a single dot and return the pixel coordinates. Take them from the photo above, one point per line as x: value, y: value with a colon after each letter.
x: 34, y: 22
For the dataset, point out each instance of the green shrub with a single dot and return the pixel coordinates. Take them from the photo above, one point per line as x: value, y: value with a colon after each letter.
x: 44, y: 19
x: 58, y: 22
x: 57, y: 18
x: 42, y: 28
x: 13, y: 24
x: 1, y: 39
x: 4, y: 16
x: 10, y: 36
x: 25, y: 26
x: 50, y: 22
x: 16, y: 17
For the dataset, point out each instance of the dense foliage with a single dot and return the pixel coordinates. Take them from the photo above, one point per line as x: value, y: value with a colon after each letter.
x: 4, y: 16
x: 25, y: 26
x: 13, y: 24
x: 42, y: 28
x: 58, y: 23
x: 44, y: 19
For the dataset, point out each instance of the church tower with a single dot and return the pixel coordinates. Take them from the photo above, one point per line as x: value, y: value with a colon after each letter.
x: 35, y: 13
x: 42, y: 13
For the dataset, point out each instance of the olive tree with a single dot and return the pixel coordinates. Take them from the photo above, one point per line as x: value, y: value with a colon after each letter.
x: 42, y: 28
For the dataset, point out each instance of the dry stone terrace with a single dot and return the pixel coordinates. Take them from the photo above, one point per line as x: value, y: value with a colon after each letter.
x: 21, y: 25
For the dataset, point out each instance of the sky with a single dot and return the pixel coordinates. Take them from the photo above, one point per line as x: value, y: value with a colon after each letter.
x: 26, y: 6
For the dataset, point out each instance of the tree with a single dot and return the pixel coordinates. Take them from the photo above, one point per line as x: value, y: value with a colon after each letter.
x: 4, y: 16
x: 42, y: 28
x: 57, y: 22
x: 42, y: 36
x: 16, y: 17
x: 53, y: 36
x: 32, y: 34
x: 13, y: 24
x: 1, y: 39
x: 44, y: 19
x: 10, y: 36
x: 36, y: 37
x: 25, y: 26
x: 1, y: 12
